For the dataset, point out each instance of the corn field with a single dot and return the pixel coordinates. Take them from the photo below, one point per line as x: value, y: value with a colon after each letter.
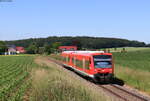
x: 14, y: 77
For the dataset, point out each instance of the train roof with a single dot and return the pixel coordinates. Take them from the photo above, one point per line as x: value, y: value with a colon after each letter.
x: 85, y: 53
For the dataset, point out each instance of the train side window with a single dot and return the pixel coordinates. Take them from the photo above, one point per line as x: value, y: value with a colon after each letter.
x: 87, y: 64
x: 69, y: 58
x: 79, y: 63
x: 66, y: 58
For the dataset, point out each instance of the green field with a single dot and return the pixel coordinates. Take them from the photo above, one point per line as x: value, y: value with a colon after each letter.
x: 35, y: 78
x: 134, y: 68
x: 128, y: 49
x: 14, y: 77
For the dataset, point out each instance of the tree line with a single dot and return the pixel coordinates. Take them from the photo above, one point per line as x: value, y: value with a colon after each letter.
x: 34, y: 48
x: 3, y: 47
x: 40, y: 45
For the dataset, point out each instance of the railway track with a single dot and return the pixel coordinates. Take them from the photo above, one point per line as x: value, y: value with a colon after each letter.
x: 122, y: 93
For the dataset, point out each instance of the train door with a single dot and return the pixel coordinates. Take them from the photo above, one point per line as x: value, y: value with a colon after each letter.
x: 67, y: 59
x: 71, y: 60
x: 91, y: 70
x: 83, y: 64
x: 74, y: 61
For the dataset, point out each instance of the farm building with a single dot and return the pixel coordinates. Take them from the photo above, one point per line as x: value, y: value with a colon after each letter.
x: 68, y: 48
x: 20, y: 50
x: 12, y: 50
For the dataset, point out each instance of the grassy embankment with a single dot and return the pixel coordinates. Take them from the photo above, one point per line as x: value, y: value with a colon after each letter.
x: 134, y: 68
x: 52, y: 83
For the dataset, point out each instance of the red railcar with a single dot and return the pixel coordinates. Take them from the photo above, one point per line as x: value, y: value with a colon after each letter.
x: 94, y: 64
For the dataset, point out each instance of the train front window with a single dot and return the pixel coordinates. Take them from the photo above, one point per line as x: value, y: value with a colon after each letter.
x: 102, y: 61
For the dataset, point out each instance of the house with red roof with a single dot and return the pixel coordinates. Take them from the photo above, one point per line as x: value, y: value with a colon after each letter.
x: 12, y: 50
x: 20, y: 50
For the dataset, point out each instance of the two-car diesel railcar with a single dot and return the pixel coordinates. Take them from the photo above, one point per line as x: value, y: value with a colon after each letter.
x: 94, y: 64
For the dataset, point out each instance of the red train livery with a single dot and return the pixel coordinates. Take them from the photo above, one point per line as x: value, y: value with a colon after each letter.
x: 94, y: 64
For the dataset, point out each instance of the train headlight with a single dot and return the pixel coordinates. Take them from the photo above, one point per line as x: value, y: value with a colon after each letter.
x: 110, y: 70
x: 103, y: 70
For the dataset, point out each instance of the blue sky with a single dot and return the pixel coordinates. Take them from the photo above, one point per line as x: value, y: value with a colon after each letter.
x: 129, y: 19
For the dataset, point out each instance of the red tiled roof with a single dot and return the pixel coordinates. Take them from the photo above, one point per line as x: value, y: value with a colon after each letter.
x: 68, y: 47
x: 20, y: 49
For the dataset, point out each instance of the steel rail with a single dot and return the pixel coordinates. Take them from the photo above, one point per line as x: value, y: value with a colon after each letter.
x: 131, y: 93
x: 117, y: 95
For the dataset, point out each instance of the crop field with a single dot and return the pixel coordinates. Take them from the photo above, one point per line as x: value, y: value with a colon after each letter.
x: 14, y: 77
x: 134, y: 68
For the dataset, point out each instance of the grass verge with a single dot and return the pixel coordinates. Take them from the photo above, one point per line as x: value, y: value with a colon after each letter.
x: 134, y: 69
x: 135, y: 78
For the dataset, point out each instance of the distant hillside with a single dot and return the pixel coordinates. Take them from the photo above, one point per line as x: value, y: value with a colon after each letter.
x: 84, y: 42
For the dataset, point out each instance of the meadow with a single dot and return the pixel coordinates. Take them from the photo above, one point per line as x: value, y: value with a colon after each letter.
x: 128, y: 49
x: 134, y: 68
